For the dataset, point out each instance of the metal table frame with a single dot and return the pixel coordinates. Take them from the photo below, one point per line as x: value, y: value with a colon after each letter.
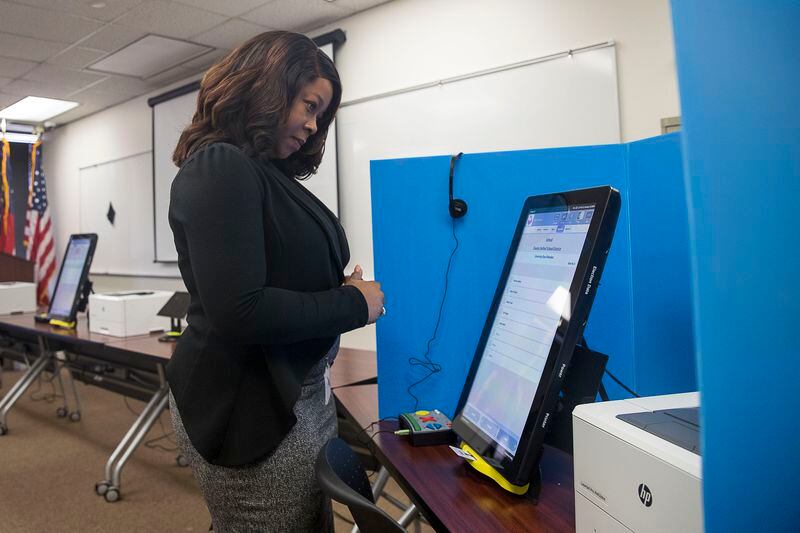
x: 57, y: 361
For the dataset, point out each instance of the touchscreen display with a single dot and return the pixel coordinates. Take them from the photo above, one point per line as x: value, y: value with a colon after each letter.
x: 534, y: 300
x: 70, y: 279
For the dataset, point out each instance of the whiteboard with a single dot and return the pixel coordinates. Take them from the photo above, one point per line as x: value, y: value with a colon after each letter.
x: 571, y: 101
x: 169, y: 120
x: 124, y: 247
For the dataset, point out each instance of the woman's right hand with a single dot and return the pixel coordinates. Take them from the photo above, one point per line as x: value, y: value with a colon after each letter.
x: 371, y: 290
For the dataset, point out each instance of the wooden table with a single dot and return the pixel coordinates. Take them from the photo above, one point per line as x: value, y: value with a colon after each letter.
x: 452, y: 496
x: 58, y: 348
x: 142, y: 357
x: 353, y: 367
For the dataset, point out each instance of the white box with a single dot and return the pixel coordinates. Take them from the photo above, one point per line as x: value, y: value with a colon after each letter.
x: 17, y: 297
x: 127, y: 313
x: 627, y: 479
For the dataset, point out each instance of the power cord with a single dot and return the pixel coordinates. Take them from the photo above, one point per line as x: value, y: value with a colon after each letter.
x: 603, y: 393
x: 131, y: 409
x: 426, y: 362
x: 621, y: 384
x: 168, y: 435
x: 46, y: 397
x: 368, y: 428
x: 151, y: 443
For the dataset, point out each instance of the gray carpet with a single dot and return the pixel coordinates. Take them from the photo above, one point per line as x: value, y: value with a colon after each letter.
x: 49, y: 466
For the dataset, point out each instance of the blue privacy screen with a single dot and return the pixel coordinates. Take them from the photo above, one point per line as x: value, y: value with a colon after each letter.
x: 641, y: 317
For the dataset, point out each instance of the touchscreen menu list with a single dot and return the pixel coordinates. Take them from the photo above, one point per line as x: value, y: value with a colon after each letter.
x: 535, y: 300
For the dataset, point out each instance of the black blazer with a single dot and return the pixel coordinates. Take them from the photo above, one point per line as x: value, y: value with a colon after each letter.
x: 262, y: 259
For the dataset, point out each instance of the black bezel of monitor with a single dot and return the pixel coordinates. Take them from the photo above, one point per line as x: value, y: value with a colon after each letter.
x: 84, y: 276
x: 582, y: 291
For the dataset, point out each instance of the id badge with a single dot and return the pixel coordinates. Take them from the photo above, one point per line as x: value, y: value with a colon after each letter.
x: 327, y: 384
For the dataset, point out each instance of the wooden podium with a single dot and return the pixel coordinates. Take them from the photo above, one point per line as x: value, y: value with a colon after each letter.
x: 15, y: 269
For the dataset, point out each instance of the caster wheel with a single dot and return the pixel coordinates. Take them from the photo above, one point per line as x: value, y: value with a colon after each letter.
x: 112, y: 495
x: 61, y: 412
x: 3, y: 430
x: 75, y: 416
x: 182, y: 461
x: 101, y: 488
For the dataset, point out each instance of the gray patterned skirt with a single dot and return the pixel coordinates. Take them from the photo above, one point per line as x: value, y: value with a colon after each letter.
x: 279, y: 494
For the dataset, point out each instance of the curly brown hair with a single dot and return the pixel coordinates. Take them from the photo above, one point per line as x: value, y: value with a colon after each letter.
x: 246, y: 96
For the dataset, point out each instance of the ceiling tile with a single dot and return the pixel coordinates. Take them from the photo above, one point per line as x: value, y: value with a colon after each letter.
x: 170, y: 19
x: 7, y: 99
x: 123, y: 85
x: 76, y: 113
x: 230, y: 34
x: 354, y: 6
x: 69, y: 78
x: 205, y: 61
x: 295, y: 15
x: 20, y: 47
x: 83, y: 8
x: 149, y: 56
x: 171, y: 76
x: 113, y: 37
x: 34, y: 22
x: 76, y: 58
x: 232, y: 8
x: 98, y: 98
x: 35, y: 88
x: 14, y: 68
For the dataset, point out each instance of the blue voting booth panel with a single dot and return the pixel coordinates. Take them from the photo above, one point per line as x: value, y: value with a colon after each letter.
x: 413, y: 237
x: 739, y: 78
x: 660, y: 267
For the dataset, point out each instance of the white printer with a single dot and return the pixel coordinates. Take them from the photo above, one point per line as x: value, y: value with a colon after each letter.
x: 638, y: 465
x: 127, y: 313
x: 17, y: 297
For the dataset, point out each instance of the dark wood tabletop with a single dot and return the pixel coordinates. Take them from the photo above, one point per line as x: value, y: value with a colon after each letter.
x: 81, y: 333
x: 147, y: 345
x: 351, y: 365
x: 452, y: 495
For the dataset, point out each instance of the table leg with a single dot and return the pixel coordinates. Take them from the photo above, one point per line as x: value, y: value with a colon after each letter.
x: 140, y: 435
x: 19, y: 389
x: 64, y: 411
x: 408, y: 516
x: 110, y: 487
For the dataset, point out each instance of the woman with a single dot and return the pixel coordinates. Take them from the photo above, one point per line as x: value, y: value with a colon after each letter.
x: 262, y: 259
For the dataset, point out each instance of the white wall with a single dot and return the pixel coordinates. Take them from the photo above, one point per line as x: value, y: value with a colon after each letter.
x: 408, y: 42
x: 117, y: 132
x: 404, y: 43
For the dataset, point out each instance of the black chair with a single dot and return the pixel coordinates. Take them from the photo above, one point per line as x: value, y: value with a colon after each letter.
x: 353, y: 435
x: 342, y: 477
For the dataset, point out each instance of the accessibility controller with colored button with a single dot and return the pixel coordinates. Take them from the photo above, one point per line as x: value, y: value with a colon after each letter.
x: 428, y: 427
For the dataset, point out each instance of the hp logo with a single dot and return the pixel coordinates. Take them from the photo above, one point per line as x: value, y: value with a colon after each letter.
x: 645, y: 495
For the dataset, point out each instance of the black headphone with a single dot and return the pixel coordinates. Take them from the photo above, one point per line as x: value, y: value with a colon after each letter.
x: 457, y: 207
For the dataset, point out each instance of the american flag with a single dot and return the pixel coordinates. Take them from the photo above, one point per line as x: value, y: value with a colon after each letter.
x: 39, y: 229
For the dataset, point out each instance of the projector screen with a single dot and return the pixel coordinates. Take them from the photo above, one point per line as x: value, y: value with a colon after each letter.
x: 172, y: 112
